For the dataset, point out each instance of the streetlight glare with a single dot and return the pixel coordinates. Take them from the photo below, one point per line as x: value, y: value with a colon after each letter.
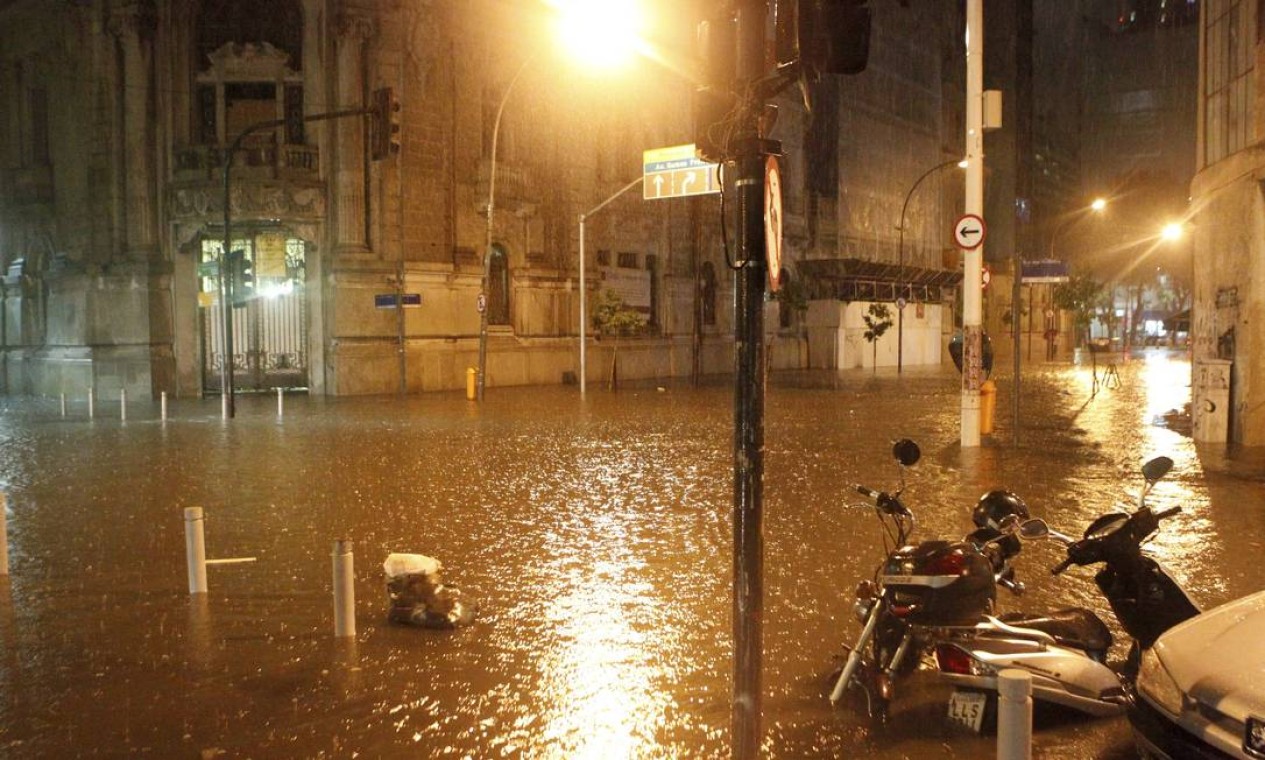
x: 602, y: 33
x: 1099, y: 204
x: 1172, y: 231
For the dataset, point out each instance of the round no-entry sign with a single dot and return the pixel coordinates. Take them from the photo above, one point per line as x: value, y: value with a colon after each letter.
x: 969, y: 231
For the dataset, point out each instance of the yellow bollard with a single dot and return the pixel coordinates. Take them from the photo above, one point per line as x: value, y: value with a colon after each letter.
x: 987, y: 404
x: 472, y: 377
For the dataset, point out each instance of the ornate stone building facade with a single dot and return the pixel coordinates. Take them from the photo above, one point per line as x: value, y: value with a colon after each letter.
x: 115, y: 117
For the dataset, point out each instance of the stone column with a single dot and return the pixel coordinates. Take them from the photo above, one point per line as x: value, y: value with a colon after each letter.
x: 353, y: 32
x: 132, y: 24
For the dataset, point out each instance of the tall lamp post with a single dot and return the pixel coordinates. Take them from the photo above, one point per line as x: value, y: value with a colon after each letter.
x: 487, y: 251
x: 900, y: 250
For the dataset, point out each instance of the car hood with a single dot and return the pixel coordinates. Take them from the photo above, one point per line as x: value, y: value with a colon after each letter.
x: 1218, y: 657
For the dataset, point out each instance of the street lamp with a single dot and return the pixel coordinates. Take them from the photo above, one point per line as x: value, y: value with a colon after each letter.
x: 1172, y: 231
x: 595, y: 36
x: 900, y: 251
x: 487, y: 250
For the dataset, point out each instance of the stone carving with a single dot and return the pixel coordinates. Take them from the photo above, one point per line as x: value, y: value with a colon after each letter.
x: 271, y: 199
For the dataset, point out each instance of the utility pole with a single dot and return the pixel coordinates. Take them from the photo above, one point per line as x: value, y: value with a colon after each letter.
x: 972, y: 282
x: 749, y: 380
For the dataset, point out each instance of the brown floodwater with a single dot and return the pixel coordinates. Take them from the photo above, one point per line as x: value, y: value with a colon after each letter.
x: 595, y: 535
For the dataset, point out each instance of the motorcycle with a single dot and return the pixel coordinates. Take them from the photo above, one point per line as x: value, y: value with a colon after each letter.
x: 918, y: 589
x: 1066, y: 652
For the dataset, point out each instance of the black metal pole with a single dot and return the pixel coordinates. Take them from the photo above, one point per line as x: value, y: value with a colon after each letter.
x: 748, y: 590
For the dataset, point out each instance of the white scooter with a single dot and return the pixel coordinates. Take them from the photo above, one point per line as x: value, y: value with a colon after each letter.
x: 1065, y: 652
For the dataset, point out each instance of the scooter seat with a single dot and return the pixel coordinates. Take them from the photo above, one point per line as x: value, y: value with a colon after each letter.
x: 1073, y: 626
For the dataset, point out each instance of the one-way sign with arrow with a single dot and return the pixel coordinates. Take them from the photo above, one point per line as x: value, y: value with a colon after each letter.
x: 968, y: 232
x: 675, y: 172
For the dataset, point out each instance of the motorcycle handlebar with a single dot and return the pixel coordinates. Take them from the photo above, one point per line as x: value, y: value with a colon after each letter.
x: 1167, y: 513
x: 884, y: 501
x: 871, y: 493
x: 1060, y: 567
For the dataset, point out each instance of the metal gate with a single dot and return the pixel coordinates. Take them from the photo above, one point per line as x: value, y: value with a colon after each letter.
x: 270, y: 330
x: 269, y: 344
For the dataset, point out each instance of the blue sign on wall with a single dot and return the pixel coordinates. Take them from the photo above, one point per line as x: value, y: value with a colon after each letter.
x: 388, y: 300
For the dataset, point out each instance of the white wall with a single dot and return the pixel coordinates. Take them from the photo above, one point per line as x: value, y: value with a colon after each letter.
x: 837, y: 336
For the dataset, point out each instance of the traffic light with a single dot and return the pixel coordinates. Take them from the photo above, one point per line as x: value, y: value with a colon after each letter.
x: 241, y: 272
x: 714, y: 105
x: 385, y: 124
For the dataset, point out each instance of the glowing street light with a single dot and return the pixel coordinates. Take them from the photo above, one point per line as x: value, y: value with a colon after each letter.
x: 1098, y: 205
x: 602, y: 34
x: 1172, y: 231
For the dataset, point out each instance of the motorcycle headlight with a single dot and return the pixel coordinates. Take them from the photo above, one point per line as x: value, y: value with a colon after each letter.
x: 1158, y: 686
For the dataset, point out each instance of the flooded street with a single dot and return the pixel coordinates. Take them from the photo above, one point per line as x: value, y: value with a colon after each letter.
x: 594, y: 535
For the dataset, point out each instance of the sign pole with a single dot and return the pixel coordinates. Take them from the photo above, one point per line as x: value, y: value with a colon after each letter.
x: 749, y: 379
x: 972, y: 286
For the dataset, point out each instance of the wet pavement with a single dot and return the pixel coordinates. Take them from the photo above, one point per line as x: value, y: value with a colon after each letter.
x: 595, y: 536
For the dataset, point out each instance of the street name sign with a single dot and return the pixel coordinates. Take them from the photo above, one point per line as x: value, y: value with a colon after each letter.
x: 675, y: 172
x: 389, y: 300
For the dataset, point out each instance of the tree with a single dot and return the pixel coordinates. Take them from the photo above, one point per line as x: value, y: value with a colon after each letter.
x: 1081, y: 297
x: 877, y: 319
x: 613, y: 317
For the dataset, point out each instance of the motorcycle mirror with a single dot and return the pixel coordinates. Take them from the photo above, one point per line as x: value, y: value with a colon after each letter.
x: 906, y: 452
x: 1034, y: 528
x: 1156, y: 468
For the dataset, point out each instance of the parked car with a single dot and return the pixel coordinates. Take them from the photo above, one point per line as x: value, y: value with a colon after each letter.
x: 1201, y: 688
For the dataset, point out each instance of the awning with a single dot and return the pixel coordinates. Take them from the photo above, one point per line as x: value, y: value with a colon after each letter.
x: 859, y: 280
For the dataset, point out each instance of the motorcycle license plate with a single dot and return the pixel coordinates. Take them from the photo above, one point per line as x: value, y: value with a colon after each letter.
x: 967, y: 708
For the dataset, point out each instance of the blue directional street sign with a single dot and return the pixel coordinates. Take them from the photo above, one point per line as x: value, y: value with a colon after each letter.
x: 675, y: 172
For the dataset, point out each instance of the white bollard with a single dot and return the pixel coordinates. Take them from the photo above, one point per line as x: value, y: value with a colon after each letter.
x: 63, y: 405
x: 280, y: 403
x: 223, y: 406
x: 344, y: 590
x: 195, y: 549
x: 92, y: 402
x: 4, y: 534
x: 164, y: 406
x: 1014, y: 715
x: 123, y: 404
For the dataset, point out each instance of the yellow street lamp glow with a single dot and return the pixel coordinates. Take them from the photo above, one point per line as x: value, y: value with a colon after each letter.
x: 1099, y: 204
x: 1172, y: 231
x: 602, y: 33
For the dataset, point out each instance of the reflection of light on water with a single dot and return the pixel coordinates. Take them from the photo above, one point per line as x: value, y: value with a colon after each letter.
x: 1166, y: 386
x: 597, y: 674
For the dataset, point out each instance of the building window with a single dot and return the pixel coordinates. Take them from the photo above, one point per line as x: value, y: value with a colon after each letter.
x: 628, y: 260
x: 248, y: 70
x: 498, y: 287
x: 785, y: 306
x: 708, y: 294
x: 1229, y: 53
x: 652, y: 270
